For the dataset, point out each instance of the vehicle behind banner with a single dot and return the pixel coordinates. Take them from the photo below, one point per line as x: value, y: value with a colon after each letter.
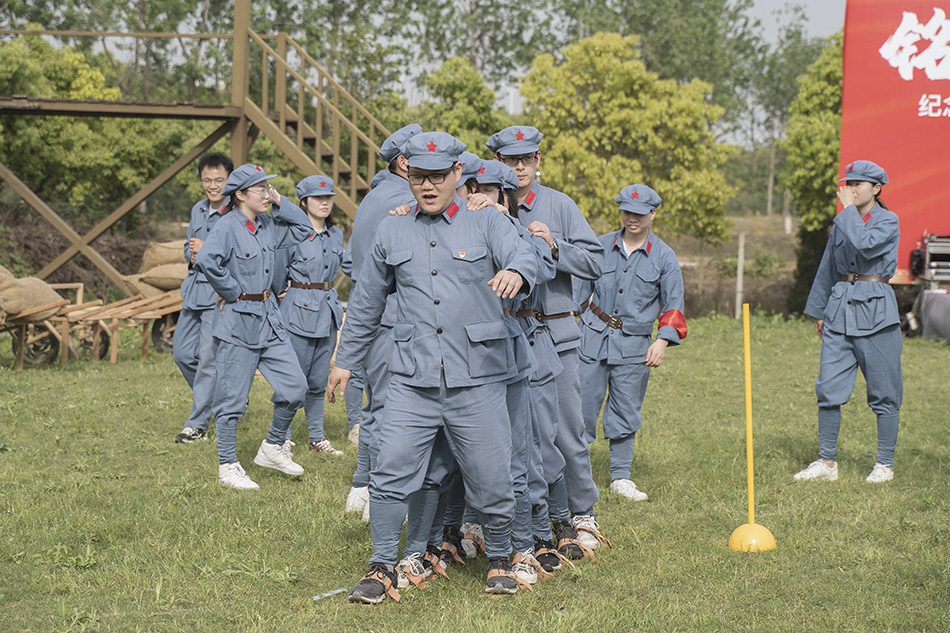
x: 896, y: 112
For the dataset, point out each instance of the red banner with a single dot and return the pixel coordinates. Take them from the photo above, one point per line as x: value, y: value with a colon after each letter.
x: 896, y: 109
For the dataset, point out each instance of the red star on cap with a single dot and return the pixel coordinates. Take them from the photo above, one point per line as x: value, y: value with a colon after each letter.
x: 519, y: 135
x: 431, y: 146
x: 258, y: 168
x: 323, y: 184
x: 851, y: 168
x: 635, y: 195
x: 481, y: 171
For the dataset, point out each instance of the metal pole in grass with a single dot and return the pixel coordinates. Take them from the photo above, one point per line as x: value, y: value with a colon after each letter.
x: 750, y: 537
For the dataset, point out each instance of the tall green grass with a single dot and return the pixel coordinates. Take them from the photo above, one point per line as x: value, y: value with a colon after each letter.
x: 107, y: 525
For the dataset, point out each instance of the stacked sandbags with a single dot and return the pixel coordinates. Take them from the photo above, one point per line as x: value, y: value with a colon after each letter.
x: 163, y: 268
x: 19, y: 295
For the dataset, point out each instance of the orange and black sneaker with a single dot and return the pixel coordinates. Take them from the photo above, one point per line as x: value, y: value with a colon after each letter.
x: 379, y: 582
x: 501, y: 579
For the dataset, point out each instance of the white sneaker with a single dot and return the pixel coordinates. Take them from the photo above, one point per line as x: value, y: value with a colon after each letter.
x: 411, y: 570
x: 234, y: 476
x: 354, y: 435
x: 880, y: 473
x: 275, y: 456
x: 357, y: 500
x: 473, y: 539
x: 628, y: 489
x: 289, y: 448
x: 525, y: 567
x: 818, y: 470
x: 588, y: 532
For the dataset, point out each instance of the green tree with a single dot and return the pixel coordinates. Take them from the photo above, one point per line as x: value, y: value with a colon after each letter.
x: 608, y: 122
x: 715, y: 41
x: 812, y: 142
x: 499, y: 38
x: 776, y: 85
x: 82, y: 166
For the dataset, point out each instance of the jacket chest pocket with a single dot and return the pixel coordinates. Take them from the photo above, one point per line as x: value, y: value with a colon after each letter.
x: 248, y: 263
x: 647, y: 281
x: 472, y: 265
x: 401, y: 261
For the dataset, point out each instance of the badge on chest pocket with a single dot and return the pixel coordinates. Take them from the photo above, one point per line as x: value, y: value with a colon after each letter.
x: 472, y: 265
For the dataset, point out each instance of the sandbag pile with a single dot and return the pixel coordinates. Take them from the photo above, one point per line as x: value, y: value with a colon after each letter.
x: 18, y: 295
x: 163, y: 268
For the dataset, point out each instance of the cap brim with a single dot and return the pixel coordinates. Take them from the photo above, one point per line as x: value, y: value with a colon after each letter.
x: 431, y: 162
x: 518, y: 148
x: 226, y: 191
x: 631, y: 206
x: 863, y: 178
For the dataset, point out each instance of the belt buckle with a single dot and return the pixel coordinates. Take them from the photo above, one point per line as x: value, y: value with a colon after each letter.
x: 326, y: 285
x: 538, y: 315
x: 614, y: 322
x: 852, y: 277
x: 266, y: 294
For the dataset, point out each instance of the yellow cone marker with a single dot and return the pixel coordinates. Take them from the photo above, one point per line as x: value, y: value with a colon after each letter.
x: 750, y: 537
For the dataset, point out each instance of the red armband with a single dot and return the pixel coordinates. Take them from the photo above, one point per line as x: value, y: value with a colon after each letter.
x: 676, y: 320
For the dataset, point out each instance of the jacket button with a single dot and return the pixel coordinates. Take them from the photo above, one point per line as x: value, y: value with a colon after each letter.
x: 247, y: 254
x: 267, y: 270
x: 436, y: 302
x: 624, y: 270
x: 326, y: 267
x: 439, y: 331
x: 432, y: 244
x: 531, y: 343
x: 434, y: 273
x: 849, y: 303
x: 620, y: 291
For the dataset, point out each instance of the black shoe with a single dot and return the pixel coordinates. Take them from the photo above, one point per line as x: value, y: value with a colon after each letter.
x: 546, y: 555
x: 452, y: 551
x: 379, y: 582
x: 189, y: 435
x: 500, y: 577
x: 566, y: 539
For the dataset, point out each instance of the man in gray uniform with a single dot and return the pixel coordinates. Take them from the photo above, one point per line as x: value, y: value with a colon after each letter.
x: 449, y: 270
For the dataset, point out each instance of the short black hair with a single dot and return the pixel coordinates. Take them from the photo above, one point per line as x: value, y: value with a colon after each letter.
x: 215, y: 159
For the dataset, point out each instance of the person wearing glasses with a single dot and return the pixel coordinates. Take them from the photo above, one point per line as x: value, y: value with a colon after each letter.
x: 641, y: 278
x: 450, y: 270
x: 388, y: 194
x: 856, y: 316
x: 238, y: 258
x: 311, y: 308
x: 554, y: 217
x: 192, y: 342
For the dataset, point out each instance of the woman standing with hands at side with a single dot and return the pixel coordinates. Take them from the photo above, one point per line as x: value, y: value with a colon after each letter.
x: 857, y: 320
x: 311, y: 308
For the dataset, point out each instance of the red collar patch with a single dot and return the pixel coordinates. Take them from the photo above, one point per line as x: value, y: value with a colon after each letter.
x: 452, y: 210
x: 867, y: 216
x: 529, y: 199
x: 251, y: 227
x: 648, y: 246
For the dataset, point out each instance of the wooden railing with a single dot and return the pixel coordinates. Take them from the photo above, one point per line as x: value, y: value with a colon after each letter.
x: 327, y: 124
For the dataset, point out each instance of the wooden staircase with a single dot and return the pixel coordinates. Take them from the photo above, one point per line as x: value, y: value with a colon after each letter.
x: 317, y: 124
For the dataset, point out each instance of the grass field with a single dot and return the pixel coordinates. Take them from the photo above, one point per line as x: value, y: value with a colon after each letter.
x: 107, y: 525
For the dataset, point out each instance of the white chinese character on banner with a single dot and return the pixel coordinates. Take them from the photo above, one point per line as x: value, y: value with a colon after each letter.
x: 929, y: 105
x: 905, y: 49
x: 946, y: 111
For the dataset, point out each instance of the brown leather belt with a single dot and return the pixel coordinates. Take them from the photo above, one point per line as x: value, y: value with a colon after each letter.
x: 852, y: 277
x: 323, y: 285
x: 537, y: 315
x: 611, y: 321
x: 262, y: 296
